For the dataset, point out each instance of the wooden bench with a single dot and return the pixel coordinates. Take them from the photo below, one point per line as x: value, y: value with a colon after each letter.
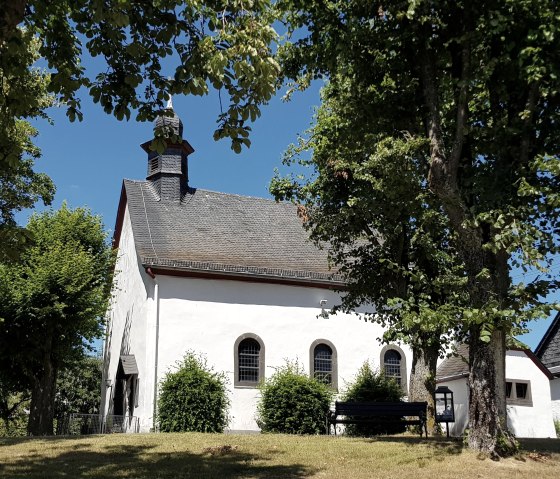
x: 409, y: 413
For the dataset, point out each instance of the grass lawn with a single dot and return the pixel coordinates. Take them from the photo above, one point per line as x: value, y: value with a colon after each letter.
x: 191, y: 455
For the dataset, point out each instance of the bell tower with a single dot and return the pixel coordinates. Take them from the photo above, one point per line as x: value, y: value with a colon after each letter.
x: 168, y: 172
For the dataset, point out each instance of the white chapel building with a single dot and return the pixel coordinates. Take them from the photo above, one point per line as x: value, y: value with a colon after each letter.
x: 233, y: 277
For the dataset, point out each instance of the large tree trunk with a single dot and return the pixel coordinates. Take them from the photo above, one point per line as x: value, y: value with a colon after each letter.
x: 487, y: 420
x: 423, y: 379
x: 487, y: 382
x: 42, y: 400
x: 487, y: 408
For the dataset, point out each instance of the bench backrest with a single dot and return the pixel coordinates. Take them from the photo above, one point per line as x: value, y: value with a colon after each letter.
x: 380, y: 408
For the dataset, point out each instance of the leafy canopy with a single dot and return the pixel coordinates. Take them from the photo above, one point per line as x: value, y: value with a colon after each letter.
x: 366, y: 198
x: 57, y: 292
x: 149, y: 51
x: 463, y: 96
x: 20, y: 186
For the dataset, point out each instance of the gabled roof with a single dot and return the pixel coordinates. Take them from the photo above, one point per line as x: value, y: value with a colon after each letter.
x: 456, y: 367
x: 218, y: 233
x: 548, y: 349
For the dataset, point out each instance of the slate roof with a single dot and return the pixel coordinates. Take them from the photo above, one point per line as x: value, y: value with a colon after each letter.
x: 129, y: 365
x: 454, y: 366
x: 226, y: 233
x: 548, y: 349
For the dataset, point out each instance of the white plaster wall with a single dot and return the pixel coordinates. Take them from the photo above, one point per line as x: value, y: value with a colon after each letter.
x: 461, y: 403
x: 523, y: 421
x: 527, y: 421
x: 128, y: 328
x: 555, y: 397
x: 209, y: 315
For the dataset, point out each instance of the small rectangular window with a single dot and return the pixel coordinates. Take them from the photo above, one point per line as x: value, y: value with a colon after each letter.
x: 521, y: 390
x: 518, y: 392
x: 154, y: 164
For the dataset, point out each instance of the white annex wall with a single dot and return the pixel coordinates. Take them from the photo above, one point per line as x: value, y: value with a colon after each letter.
x: 523, y: 421
x: 209, y: 315
x: 555, y: 396
x: 528, y: 421
x: 461, y: 402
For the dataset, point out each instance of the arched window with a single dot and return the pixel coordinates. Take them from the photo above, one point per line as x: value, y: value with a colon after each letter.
x: 394, y: 365
x: 249, y: 360
x: 323, y: 362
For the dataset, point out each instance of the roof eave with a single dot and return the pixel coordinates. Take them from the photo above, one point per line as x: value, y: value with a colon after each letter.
x: 214, y: 271
x: 547, y: 335
x: 120, y: 217
x: 452, y: 378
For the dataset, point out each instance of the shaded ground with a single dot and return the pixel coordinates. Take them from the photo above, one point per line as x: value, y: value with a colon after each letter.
x: 264, y: 456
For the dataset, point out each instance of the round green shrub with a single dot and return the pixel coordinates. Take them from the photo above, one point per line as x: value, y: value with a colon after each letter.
x: 293, y: 403
x: 370, y: 385
x: 193, y: 398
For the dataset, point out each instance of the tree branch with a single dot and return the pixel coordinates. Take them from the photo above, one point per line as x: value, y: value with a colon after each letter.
x: 530, y: 107
x: 12, y: 14
x: 462, y: 110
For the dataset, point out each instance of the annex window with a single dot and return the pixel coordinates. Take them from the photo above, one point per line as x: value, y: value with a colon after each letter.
x: 518, y: 392
x: 249, y: 360
x: 323, y: 362
x: 394, y: 365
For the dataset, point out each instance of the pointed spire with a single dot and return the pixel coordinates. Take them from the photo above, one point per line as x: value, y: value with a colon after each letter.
x: 169, y: 103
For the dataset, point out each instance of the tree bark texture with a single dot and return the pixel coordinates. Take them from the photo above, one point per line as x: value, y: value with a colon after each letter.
x: 423, y: 379
x: 42, y: 400
x: 487, y: 414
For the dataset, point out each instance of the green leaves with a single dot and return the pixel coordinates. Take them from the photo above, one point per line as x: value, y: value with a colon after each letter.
x: 292, y: 402
x: 193, y: 398
x: 59, y: 286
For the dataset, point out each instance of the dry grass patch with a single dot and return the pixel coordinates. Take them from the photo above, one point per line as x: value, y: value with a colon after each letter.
x: 190, y: 455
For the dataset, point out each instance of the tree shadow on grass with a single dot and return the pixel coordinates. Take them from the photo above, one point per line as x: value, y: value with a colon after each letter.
x: 141, y: 462
x: 540, y: 445
x: 454, y: 445
x: 443, y: 445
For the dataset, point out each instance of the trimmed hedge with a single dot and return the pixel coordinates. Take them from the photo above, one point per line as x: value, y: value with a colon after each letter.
x: 193, y: 398
x: 293, y: 403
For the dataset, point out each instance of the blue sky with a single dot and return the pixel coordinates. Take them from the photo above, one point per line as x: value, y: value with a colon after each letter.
x: 88, y: 160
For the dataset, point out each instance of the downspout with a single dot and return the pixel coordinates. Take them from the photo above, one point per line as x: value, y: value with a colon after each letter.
x: 156, y: 347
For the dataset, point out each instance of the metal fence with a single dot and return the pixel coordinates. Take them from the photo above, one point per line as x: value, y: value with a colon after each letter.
x: 81, y: 424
